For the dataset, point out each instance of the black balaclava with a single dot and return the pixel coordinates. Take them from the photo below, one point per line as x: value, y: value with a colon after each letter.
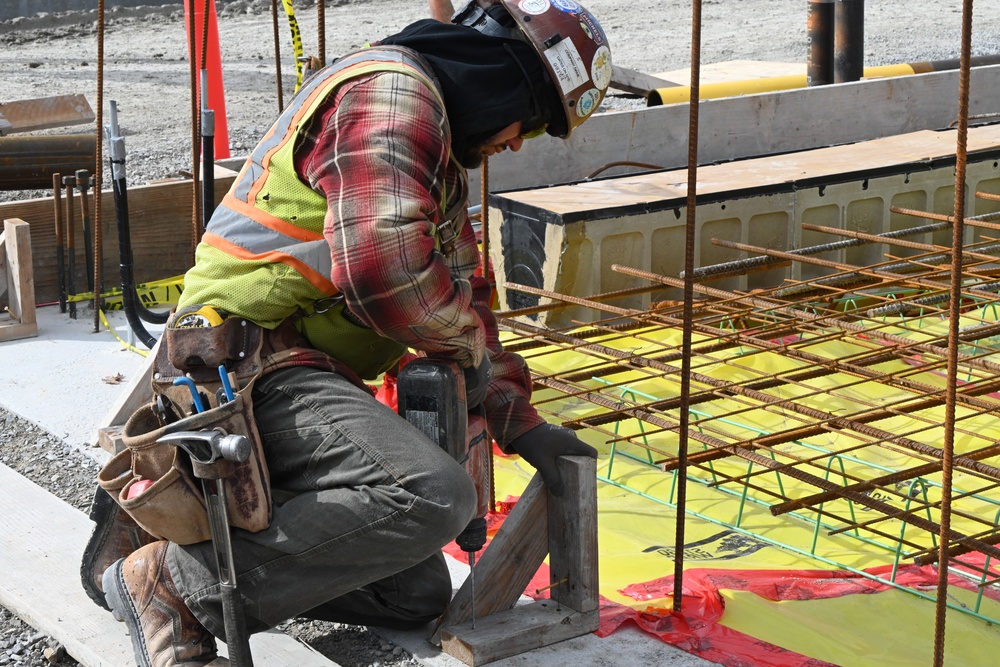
x: 485, y: 89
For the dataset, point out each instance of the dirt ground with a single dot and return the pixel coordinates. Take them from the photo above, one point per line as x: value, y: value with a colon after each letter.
x: 146, y: 72
x: 145, y: 69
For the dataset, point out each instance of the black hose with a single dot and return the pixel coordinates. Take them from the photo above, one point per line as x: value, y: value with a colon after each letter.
x: 129, y: 296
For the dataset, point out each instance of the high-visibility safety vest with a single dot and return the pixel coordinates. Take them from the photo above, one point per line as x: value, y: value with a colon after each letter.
x: 264, y: 257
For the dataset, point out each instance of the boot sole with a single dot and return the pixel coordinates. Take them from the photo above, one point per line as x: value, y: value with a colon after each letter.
x: 121, y: 606
x: 102, y: 513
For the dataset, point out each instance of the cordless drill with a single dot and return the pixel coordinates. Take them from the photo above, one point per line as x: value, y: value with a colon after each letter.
x: 431, y: 396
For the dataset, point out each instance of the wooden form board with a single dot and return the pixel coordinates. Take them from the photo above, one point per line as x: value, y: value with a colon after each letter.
x: 44, y: 113
x: 748, y: 126
x: 160, y: 224
x: 40, y: 550
x: 17, y: 280
x: 564, y: 527
x: 821, y: 163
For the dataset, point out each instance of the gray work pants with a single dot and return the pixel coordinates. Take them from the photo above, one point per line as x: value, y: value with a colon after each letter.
x: 363, y: 503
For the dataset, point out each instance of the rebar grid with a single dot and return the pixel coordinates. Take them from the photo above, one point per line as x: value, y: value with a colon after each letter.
x: 815, y: 398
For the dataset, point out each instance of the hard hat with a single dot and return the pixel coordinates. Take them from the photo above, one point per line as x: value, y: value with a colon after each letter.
x: 569, y: 41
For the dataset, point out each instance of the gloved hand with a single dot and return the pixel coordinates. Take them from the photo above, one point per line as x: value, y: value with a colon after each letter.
x: 477, y: 382
x: 542, y: 445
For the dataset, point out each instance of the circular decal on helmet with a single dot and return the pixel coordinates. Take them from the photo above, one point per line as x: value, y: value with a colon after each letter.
x: 592, y: 28
x: 535, y: 7
x: 570, y: 6
x: 600, y: 69
x: 588, y: 102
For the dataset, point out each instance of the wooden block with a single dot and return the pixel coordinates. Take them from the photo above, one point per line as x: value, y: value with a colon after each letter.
x: 110, y: 439
x: 573, y: 535
x: 17, y: 267
x: 637, y: 83
x: 44, y: 113
x: 516, y: 630
x: 507, y: 564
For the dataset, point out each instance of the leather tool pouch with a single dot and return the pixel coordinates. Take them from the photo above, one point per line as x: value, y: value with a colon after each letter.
x: 173, y: 507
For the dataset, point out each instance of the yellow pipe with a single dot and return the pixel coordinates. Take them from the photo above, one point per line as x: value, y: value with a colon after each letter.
x: 680, y: 94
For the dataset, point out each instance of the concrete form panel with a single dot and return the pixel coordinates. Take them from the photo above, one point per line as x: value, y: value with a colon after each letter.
x: 640, y: 220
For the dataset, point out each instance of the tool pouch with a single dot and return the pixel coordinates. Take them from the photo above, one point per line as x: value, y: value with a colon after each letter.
x: 173, y: 507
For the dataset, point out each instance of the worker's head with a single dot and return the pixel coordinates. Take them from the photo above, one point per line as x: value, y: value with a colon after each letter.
x: 570, y: 44
x: 513, y: 70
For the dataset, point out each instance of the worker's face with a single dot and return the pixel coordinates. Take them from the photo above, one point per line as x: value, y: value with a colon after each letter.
x: 509, y: 137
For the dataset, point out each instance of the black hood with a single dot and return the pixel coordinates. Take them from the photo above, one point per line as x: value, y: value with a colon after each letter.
x: 485, y: 89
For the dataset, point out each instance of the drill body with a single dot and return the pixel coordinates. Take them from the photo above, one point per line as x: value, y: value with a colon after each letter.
x: 431, y: 395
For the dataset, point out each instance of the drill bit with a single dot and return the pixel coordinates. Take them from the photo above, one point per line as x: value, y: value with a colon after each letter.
x: 472, y: 577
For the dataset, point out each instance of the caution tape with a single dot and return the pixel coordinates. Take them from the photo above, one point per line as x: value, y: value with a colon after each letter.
x: 153, y: 293
x: 128, y: 346
x: 296, y: 41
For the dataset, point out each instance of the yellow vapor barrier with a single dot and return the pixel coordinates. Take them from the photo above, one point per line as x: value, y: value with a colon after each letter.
x: 729, y: 525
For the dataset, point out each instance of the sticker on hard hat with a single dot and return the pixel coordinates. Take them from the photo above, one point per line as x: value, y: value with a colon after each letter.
x: 592, y: 28
x: 588, y: 102
x: 600, y: 69
x: 535, y: 7
x: 571, y: 6
x: 568, y: 66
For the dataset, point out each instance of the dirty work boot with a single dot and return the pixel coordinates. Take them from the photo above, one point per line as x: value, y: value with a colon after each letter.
x: 115, y: 536
x: 164, y: 633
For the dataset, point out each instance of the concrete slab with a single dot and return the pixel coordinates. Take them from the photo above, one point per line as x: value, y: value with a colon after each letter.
x: 65, y: 379
x: 58, y: 381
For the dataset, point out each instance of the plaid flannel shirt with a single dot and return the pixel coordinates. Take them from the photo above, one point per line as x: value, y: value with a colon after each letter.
x: 378, y: 150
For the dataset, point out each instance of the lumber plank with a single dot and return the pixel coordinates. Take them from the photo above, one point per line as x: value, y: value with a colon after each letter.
x: 508, y: 563
x: 44, y: 113
x: 40, y: 550
x: 515, y: 631
x: 573, y: 535
x: 636, y: 82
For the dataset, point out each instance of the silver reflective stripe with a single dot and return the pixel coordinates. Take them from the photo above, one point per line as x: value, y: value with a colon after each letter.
x: 258, y: 239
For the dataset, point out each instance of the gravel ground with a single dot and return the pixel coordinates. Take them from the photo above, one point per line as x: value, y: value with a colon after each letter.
x: 146, y: 72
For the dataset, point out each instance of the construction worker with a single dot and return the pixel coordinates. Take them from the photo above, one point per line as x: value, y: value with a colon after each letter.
x: 346, y: 237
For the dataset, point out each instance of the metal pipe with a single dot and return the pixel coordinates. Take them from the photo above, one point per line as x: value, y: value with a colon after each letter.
x: 68, y: 182
x: 60, y: 251
x: 820, y: 29
x: 83, y: 184
x: 681, y: 94
x: 28, y: 163
x: 207, y: 154
x: 849, y: 40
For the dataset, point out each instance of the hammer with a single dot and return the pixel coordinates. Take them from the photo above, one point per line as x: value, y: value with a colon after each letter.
x: 212, y: 456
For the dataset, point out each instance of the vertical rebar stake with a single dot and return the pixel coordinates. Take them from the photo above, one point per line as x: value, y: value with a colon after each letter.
x: 954, y: 314
x: 688, y: 317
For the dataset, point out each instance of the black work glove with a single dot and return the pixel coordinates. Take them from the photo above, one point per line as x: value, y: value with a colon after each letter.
x: 542, y: 445
x: 477, y: 382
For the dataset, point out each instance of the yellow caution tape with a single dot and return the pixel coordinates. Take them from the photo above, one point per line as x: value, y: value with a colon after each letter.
x: 126, y: 345
x: 296, y: 41
x: 154, y: 293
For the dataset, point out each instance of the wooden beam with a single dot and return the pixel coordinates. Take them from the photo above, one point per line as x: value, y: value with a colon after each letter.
x: 635, y: 82
x: 573, y: 536
x: 507, y: 564
x: 517, y: 630
x: 44, y: 113
x: 16, y: 239
x: 566, y: 526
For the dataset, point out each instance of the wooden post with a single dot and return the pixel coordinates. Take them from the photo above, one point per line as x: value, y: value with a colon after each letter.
x: 566, y: 528
x: 17, y: 279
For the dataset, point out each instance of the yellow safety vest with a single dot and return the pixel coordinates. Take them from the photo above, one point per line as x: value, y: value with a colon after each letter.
x: 264, y: 257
